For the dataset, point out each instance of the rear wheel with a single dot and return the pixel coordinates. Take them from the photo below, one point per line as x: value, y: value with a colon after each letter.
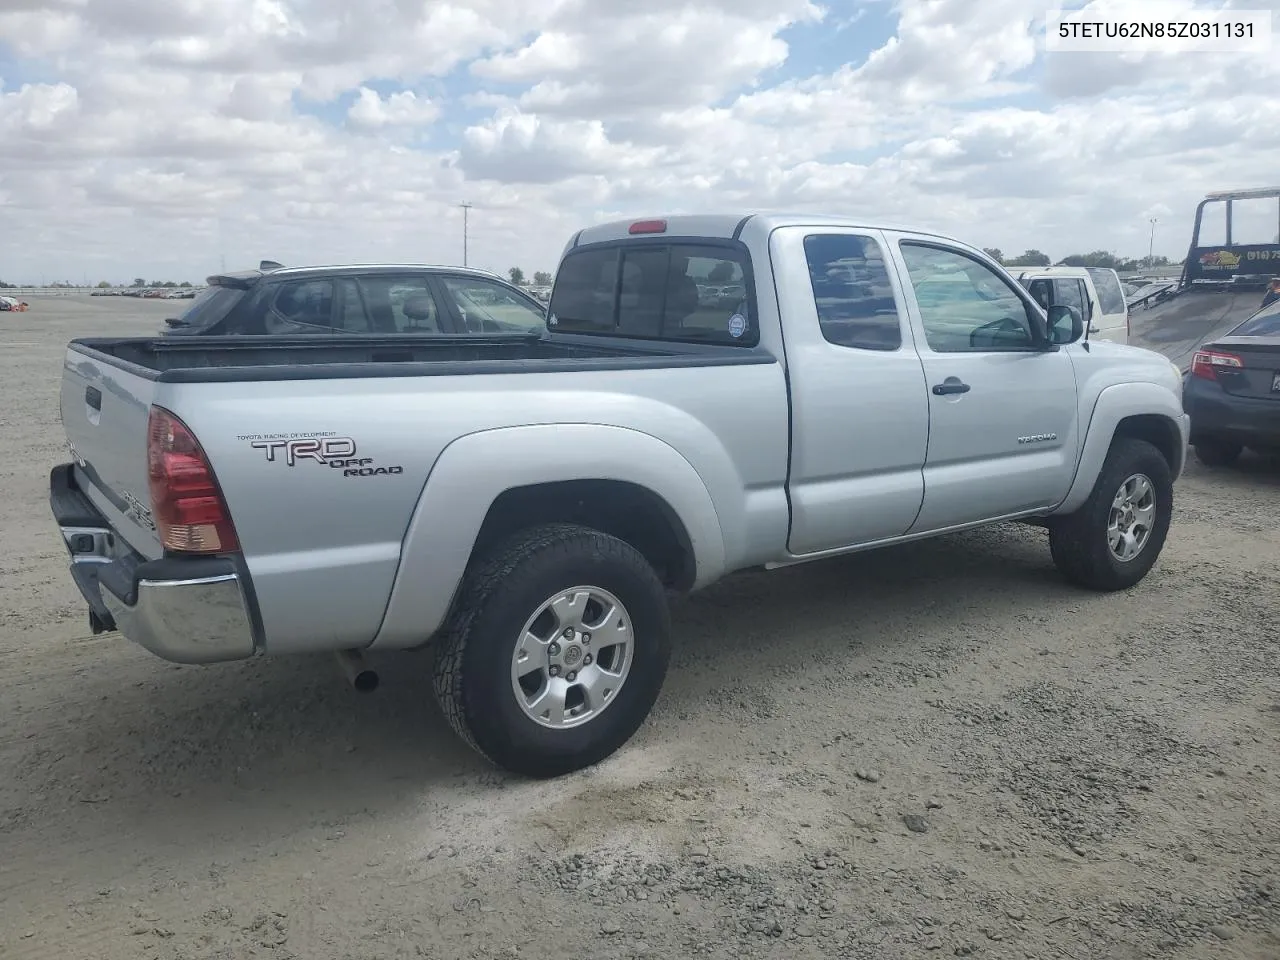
x: 556, y: 652
x: 1114, y: 539
x: 1213, y: 452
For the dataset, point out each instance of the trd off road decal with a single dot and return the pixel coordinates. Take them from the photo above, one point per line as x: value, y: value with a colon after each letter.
x: 337, y: 453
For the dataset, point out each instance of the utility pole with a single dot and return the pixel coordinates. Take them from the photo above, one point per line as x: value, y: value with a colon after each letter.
x: 466, y: 208
x: 1151, y: 244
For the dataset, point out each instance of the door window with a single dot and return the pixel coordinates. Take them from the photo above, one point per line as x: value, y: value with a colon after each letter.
x: 488, y: 307
x: 1070, y: 292
x: 852, y: 292
x: 965, y: 306
x: 403, y: 304
x: 1110, y: 293
x: 305, y: 306
x: 1066, y: 291
x: 1042, y: 290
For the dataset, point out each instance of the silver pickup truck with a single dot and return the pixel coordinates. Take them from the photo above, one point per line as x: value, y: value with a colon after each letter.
x: 710, y: 394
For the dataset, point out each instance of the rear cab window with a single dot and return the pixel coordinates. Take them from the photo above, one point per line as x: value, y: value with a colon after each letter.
x: 686, y: 291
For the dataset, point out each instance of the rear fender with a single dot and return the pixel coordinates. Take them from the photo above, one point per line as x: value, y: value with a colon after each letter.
x: 1114, y: 404
x: 474, y: 470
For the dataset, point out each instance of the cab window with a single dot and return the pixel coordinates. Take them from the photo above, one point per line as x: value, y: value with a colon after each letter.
x: 852, y: 292
x: 689, y: 292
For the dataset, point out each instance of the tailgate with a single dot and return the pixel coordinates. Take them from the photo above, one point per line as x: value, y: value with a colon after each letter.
x: 105, y: 409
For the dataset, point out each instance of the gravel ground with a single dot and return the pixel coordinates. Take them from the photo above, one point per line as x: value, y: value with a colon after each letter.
x: 936, y: 750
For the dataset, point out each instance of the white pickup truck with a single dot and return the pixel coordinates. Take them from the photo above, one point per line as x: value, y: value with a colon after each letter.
x: 1096, y: 292
x: 710, y: 394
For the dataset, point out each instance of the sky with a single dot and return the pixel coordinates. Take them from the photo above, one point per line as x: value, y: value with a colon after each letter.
x: 171, y: 139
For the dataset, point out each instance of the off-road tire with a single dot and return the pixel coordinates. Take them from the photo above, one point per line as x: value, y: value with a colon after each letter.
x: 1078, y: 541
x: 501, y: 590
x: 1217, y: 453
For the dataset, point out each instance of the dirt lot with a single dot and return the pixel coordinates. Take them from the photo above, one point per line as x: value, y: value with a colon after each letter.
x: 938, y: 750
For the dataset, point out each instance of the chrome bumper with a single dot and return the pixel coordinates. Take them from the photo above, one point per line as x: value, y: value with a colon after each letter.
x: 189, y: 610
x: 200, y: 620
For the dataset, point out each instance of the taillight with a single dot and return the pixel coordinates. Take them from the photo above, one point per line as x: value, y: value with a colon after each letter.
x: 1206, y: 363
x: 186, y: 504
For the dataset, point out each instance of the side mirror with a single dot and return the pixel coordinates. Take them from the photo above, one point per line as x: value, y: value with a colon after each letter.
x: 1065, y: 324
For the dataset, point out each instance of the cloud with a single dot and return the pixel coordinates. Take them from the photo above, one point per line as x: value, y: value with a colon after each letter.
x: 597, y: 61
x: 371, y: 111
x: 145, y: 136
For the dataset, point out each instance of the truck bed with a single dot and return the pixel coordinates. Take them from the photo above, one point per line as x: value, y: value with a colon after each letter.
x: 1177, y: 326
x: 240, y: 359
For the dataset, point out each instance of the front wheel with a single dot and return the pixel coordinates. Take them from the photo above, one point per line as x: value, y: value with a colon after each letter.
x: 1114, y: 539
x: 556, y: 651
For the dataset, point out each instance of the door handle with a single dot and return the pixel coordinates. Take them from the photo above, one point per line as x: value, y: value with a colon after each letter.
x: 93, y: 397
x: 949, y: 386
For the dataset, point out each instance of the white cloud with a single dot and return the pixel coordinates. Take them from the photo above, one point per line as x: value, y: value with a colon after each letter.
x: 37, y: 109
x: 405, y: 108
x: 145, y: 136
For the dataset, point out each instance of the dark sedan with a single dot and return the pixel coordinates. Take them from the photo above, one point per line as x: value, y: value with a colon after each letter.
x: 380, y: 299
x: 1232, y: 391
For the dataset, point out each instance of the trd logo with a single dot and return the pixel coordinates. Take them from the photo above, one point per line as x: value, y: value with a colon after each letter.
x: 336, y: 452
x: 321, y: 450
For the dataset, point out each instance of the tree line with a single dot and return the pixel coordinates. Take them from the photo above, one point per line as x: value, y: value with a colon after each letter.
x: 540, y: 278
x: 1098, y: 258
x: 105, y: 284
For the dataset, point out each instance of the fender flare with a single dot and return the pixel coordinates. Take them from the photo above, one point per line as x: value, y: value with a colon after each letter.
x: 474, y: 470
x: 1114, y: 404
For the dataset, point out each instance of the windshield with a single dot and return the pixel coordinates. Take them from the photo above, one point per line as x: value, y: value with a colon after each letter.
x: 1264, y: 323
x: 210, y: 305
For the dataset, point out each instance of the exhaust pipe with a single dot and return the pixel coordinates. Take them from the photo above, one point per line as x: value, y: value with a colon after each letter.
x: 357, y: 670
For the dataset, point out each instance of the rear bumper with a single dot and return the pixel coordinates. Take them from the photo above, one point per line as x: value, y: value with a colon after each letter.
x: 1218, y: 415
x: 185, y: 610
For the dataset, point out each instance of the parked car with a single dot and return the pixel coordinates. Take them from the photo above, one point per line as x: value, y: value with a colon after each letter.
x: 1232, y: 391
x: 371, y: 299
x: 1094, y: 291
x: 527, y: 504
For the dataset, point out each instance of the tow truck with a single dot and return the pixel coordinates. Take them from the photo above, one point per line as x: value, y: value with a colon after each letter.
x: 1221, y: 284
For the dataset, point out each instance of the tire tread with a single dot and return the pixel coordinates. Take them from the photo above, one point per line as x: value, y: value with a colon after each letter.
x: 484, y: 578
x: 1079, y: 548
